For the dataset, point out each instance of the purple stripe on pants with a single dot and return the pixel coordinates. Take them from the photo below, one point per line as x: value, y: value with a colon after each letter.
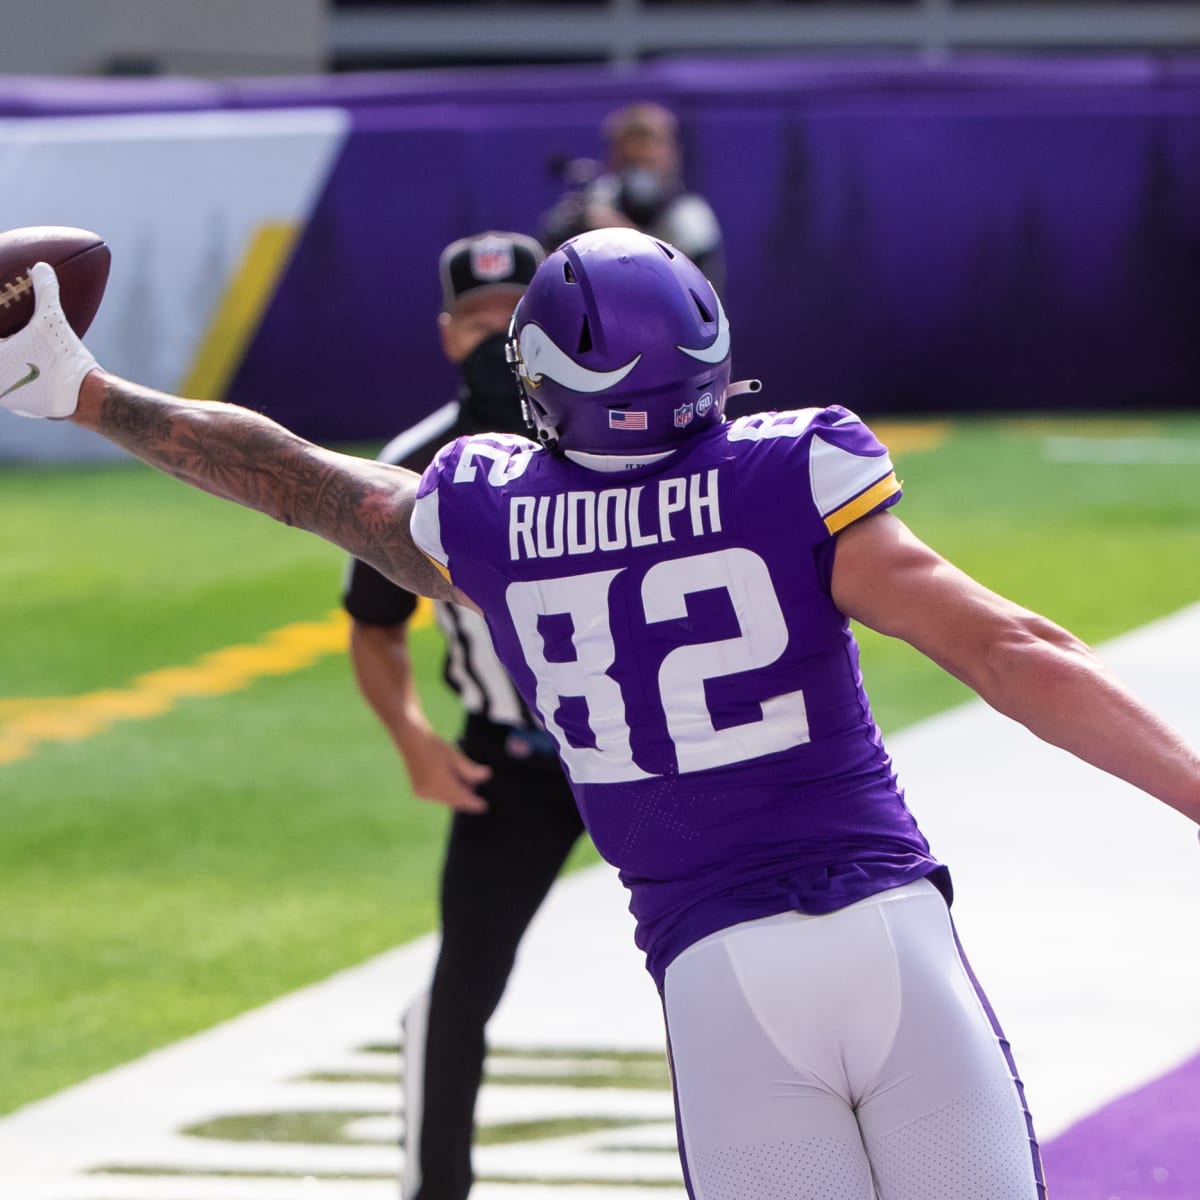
x: 1038, y: 1172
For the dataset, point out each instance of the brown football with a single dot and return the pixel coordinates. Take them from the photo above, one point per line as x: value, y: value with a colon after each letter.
x: 79, y: 257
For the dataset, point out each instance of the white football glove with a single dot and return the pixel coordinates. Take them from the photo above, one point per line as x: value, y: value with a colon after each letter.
x: 42, y: 366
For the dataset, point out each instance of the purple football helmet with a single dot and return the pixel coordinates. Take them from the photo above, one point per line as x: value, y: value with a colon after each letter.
x: 620, y: 345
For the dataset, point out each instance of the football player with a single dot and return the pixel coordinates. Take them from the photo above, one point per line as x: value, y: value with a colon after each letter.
x: 672, y: 593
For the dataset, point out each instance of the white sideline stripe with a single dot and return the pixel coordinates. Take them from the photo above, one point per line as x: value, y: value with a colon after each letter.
x: 1078, y: 901
x: 1078, y: 897
x: 1114, y: 451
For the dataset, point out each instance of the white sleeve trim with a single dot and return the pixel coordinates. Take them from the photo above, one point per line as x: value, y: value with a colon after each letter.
x: 837, y: 475
x: 426, y: 527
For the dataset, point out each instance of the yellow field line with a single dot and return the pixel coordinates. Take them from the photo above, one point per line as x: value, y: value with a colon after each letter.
x: 28, y: 724
x: 903, y: 437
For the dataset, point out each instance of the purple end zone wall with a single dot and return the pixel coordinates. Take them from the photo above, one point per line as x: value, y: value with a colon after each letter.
x: 982, y: 235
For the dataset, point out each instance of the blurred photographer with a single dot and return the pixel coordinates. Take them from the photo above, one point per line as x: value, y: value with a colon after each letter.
x: 642, y: 188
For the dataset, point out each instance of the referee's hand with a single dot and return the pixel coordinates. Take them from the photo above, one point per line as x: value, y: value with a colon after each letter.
x: 442, y: 774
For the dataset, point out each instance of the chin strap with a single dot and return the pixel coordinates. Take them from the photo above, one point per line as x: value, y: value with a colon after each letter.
x: 547, y: 440
x: 742, y: 387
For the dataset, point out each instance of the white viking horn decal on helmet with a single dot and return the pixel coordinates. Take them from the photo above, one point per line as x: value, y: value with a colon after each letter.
x: 718, y: 351
x: 541, y: 357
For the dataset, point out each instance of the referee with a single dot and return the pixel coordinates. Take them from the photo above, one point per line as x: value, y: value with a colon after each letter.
x: 514, y: 820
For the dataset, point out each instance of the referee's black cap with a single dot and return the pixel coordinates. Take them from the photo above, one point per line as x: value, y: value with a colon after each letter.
x: 494, y: 261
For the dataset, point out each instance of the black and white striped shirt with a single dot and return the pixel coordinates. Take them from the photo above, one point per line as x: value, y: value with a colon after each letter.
x: 471, y: 667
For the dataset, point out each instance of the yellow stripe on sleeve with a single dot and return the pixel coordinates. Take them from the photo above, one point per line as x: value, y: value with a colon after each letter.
x: 445, y: 571
x: 862, y: 504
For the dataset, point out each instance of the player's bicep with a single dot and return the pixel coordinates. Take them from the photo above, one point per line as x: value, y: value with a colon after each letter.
x: 366, y: 508
x: 885, y: 577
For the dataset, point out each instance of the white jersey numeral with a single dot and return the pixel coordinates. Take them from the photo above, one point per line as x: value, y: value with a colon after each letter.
x: 582, y: 603
x: 754, y: 428
x: 761, y: 639
x: 506, y: 462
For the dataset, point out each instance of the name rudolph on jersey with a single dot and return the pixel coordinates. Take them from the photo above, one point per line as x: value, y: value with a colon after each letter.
x: 617, y: 518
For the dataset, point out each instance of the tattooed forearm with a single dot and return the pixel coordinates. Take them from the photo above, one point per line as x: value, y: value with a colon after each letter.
x: 362, y: 506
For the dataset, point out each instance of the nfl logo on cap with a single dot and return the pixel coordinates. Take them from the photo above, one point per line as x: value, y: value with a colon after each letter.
x: 492, y: 258
x: 683, y: 415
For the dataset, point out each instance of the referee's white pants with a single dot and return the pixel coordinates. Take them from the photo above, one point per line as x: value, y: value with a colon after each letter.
x: 844, y: 1057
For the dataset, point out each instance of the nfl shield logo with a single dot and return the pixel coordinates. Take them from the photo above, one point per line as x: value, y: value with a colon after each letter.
x: 683, y: 415
x: 492, y: 259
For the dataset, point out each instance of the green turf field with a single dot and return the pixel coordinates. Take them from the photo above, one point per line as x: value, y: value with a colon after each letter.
x: 163, y: 872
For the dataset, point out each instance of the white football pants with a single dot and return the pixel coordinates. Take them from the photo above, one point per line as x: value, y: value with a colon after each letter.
x: 844, y: 1057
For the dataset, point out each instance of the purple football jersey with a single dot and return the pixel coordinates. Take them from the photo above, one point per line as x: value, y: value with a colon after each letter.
x: 672, y: 626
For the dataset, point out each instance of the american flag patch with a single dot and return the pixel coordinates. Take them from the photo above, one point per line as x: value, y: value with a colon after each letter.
x: 626, y: 420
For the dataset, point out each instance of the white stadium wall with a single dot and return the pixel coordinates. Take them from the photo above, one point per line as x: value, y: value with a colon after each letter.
x: 176, y: 37
x: 1016, y: 234
x: 200, y: 210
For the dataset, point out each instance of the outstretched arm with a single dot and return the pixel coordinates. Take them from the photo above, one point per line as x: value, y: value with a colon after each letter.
x: 363, y: 506
x: 1022, y: 664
